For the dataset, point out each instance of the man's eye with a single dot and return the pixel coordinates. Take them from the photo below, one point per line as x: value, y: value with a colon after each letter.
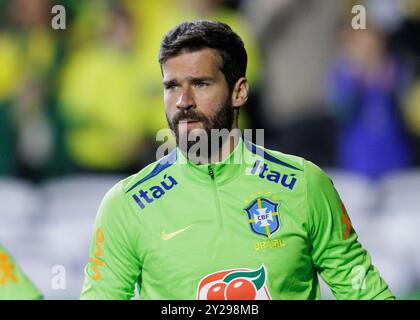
x: 201, y: 84
x: 170, y: 87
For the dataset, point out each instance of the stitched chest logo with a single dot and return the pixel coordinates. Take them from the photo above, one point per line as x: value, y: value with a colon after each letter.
x: 234, y: 284
x: 263, y: 217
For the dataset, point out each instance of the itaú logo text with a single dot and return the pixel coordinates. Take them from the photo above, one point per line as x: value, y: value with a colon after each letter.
x: 156, y: 192
x: 273, y: 175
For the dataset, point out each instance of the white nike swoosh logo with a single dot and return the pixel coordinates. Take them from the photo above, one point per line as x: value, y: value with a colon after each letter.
x: 168, y: 236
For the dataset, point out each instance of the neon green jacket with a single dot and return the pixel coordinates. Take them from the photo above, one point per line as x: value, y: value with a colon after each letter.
x: 14, y: 285
x: 259, y: 225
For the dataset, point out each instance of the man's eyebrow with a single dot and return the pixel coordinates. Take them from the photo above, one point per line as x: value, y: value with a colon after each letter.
x: 169, y: 83
x: 200, y: 79
x: 189, y: 79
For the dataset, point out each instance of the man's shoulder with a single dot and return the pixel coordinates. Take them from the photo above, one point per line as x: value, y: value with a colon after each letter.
x: 288, y: 162
x: 147, y: 173
x: 277, y: 157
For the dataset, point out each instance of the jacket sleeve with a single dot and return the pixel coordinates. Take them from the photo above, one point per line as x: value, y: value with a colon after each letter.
x: 337, y: 255
x: 114, y: 265
x: 14, y: 284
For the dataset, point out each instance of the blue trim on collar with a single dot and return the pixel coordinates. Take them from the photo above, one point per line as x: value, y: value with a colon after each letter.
x: 256, y: 150
x: 163, y: 164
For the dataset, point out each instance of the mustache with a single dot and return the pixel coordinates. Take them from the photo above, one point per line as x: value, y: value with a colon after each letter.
x: 187, y: 114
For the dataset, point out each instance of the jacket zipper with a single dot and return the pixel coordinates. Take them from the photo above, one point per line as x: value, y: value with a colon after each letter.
x: 216, y: 199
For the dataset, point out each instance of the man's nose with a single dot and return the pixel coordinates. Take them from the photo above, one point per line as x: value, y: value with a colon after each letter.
x: 186, y: 99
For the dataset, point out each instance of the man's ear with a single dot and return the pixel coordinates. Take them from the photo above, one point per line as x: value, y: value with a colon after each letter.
x: 240, y: 92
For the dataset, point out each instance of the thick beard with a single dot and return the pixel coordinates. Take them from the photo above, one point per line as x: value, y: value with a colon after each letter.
x: 223, y: 119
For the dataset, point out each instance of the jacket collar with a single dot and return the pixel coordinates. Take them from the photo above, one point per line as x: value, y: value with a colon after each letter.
x: 222, y: 172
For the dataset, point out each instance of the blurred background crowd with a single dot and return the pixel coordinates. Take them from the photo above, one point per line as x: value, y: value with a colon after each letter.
x: 80, y: 108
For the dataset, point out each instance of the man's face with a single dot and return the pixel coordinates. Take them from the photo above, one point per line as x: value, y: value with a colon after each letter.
x: 196, y: 94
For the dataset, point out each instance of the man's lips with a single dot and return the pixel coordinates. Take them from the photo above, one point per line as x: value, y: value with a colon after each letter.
x: 189, y: 123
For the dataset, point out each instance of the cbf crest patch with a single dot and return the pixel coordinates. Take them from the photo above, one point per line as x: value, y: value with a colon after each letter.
x: 263, y: 216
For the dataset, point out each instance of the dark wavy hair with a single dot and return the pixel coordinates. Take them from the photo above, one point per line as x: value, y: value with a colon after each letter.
x: 196, y: 35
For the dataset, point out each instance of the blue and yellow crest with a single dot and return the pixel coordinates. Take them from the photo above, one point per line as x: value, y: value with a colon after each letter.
x: 263, y: 216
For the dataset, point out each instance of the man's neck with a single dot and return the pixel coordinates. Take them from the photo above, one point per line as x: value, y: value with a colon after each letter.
x: 222, y: 153
x: 227, y: 147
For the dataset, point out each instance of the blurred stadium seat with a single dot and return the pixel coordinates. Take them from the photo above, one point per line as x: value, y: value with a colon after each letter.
x: 51, y: 225
x: 19, y: 205
x: 391, y: 240
x: 75, y: 196
x: 70, y: 206
x: 400, y: 191
x: 385, y: 215
x: 358, y: 193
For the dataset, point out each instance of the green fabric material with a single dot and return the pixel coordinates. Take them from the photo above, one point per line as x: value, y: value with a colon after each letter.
x: 194, y: 239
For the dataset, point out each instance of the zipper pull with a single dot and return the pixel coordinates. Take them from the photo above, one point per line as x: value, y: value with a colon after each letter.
x: 211, y: 172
